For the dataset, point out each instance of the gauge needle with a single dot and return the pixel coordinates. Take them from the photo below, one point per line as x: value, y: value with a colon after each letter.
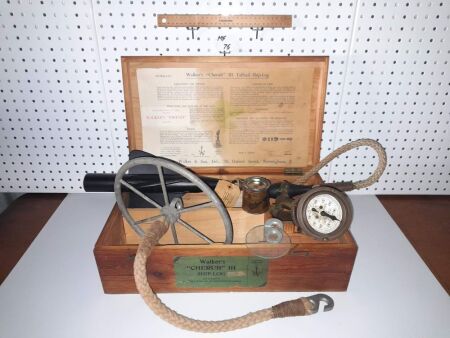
x: 323, y: 213
x: 334, y: 218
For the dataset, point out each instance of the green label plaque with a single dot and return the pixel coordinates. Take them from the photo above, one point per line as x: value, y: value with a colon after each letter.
x: 219, y: 272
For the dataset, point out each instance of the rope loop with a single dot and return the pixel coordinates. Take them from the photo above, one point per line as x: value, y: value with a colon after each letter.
x: 382, y: 160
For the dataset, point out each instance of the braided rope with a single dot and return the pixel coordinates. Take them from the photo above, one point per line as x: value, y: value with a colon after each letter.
x: 297, y: 307
x: 382, y: 160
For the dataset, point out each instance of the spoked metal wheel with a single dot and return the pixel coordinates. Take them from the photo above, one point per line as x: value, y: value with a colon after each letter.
x: 173, y: 210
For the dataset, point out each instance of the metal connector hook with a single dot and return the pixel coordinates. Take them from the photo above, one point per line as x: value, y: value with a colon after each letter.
x: 315, y: 301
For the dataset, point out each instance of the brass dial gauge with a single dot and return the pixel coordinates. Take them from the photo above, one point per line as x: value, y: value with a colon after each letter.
x: 324, y: 213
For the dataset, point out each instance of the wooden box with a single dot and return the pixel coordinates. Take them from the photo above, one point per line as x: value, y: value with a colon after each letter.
x: 251, y: 93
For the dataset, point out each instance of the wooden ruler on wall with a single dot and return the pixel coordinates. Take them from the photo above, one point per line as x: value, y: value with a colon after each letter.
x: 199, y: 20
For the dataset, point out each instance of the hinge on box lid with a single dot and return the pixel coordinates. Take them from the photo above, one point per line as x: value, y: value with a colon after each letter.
x: 293, y: 171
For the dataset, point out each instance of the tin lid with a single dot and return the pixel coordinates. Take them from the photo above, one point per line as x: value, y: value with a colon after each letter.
x: 256, y: 184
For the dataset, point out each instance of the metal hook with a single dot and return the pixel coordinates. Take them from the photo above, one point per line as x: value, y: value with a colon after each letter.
x: 193, y: 29
x: 257, y: 29
x: 315, y: 301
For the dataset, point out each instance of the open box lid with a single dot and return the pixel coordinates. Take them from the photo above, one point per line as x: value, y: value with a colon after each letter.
x: 222, y: 115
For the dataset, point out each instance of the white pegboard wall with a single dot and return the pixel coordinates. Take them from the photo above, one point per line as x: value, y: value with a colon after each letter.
x: 62, y: 108
x: 396, y: 90
x: 54, y: 124
x: 308, y: 36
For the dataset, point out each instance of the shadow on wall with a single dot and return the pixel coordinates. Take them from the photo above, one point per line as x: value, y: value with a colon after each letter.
x: 6, y: 198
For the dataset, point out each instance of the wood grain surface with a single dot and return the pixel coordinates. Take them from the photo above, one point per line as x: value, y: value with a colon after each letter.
x: 309, y: 265
x: 204, y: 20
x: 20, y: 223
x: 130, y: 64
x: 425, y: 221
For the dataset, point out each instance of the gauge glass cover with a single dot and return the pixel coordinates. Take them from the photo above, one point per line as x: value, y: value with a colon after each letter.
x: 324, y: 213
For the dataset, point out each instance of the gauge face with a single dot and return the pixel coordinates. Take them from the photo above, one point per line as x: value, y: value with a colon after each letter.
x: 324, y: 213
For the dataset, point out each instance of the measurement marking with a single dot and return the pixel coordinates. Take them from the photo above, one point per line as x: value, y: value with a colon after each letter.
x: 252, y: 21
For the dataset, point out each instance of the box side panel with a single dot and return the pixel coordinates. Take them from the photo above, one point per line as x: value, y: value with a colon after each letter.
x: 306, y: 268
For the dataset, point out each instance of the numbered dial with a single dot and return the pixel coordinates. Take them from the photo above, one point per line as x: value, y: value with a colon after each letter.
x: 324, y: 213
